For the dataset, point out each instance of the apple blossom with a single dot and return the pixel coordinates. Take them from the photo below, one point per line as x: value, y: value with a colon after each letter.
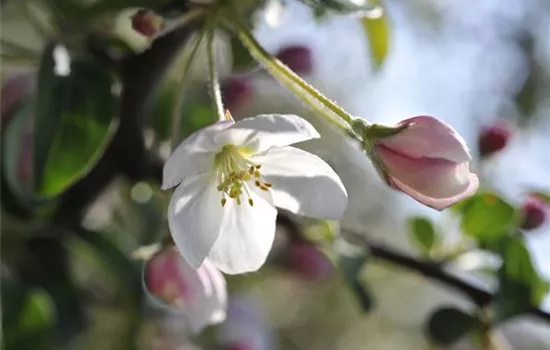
x: 232, y: 175
x: 298, y: 58
x: 200, y: 294
x: 429, y: 161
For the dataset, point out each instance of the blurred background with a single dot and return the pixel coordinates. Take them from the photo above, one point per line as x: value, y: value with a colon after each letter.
x: 83, y: 214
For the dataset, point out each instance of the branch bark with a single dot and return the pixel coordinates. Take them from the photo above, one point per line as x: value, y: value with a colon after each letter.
x: 434, y: 271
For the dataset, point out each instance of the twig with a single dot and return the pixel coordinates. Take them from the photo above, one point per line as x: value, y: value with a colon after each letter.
x: 433, y: 271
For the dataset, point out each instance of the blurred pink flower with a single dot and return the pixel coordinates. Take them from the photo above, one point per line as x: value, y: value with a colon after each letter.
x: 298, y: 58
x: 236, y: 92
x: 246, y: 326
x: 533, y: 213
x: 429, y: 161
x: 200, y: 295
x: 308, y: 262
x: 493, y: 138
x: 14, y: 89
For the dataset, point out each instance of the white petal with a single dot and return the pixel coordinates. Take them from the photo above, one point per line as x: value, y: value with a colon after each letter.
x: 195, y: 218
x: 262, y: 132
x: 303, y: 183
x: 247, y: 235
x: 195, y: 155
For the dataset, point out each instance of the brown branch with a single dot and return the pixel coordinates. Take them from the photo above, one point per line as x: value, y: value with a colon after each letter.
x: 434, y: 271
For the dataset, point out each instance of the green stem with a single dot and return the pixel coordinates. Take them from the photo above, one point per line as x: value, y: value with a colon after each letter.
x: 176, y: 112
x: 214, y: 84
x: 292, y: 81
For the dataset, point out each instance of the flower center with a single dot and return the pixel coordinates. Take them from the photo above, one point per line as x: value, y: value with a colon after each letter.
x: 234, y: 170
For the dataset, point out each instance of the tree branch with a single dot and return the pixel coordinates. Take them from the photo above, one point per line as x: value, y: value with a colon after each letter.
x: 433, y: 271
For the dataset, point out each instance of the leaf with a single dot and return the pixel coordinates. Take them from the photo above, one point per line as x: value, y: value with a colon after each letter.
x: 118, y: 263
x: 448, y: 324
x: 488, y: 218
x: 30, y: 326
x: 518, y: 269
x: 351, y: 268
x: 11, y: 138
x: 513, y: 298
x: 422, y: 233
x: 242, y: 60
x: 74, y: 122
x: 378, y: 33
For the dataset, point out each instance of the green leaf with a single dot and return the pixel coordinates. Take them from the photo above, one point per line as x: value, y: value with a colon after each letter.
x: 488, y: 218
x: 10, y: 179
x: 121, y: 266
x: 351, y: 268
x: 518, y: 269
x: 74, y: 122
x: 422, y: 233
x: 242, y: 60
x: 31, y: 327
x: 512, y: 298
x: 378, y: 33
x: 447, y: 325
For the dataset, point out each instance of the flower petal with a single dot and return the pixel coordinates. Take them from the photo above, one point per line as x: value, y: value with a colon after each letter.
x: 263, y: 132
x: 303, y: 183
x: 437, y: 183
x: 194, y: 156
x: 195, y: 218
x: 428, y: 137
x: 247, y: 235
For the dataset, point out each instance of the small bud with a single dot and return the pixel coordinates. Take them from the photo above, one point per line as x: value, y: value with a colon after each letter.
x: 236, y: 92
x: 533, y: 213
x: 308, y: 262
x: 493, y: 138
x: 146, y: 23
x: 297, y: 58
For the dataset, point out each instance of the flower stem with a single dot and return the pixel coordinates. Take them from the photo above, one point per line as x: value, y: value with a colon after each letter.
x: 215, y: 92
x: 307, y: 93
x: 176, y: 112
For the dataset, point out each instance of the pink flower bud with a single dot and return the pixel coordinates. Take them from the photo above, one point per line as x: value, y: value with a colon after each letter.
x: 236, y: 92
x: 533, y: 213
x: 308, y: 262
x: 493, y: 138
x: 429, y: 161
x: 14, y: 90
x: 146, y: 23
x: 201, y: 294
x: 297, y: 58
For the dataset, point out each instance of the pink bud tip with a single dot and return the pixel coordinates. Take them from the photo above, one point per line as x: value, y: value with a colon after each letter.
x: 308, y: 262
x: 236, y: 91
x: 533, y: 213
x: 164, y: 279
x: 298, y: 58
x: 493, y: 138
x: 146, y: 23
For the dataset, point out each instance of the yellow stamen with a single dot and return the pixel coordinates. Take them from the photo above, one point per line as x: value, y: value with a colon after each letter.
x: 234, y: 170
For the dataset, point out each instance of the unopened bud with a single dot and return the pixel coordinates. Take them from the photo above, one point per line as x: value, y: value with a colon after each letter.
x: 297, y: 58
x: 147, y: 23
x: 236, y: 91
x: 533, y: 213
x: 493, y: 138
x: 308, y: 262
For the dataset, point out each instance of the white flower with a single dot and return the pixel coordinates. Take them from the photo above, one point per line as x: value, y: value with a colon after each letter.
x: 232, y: 175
